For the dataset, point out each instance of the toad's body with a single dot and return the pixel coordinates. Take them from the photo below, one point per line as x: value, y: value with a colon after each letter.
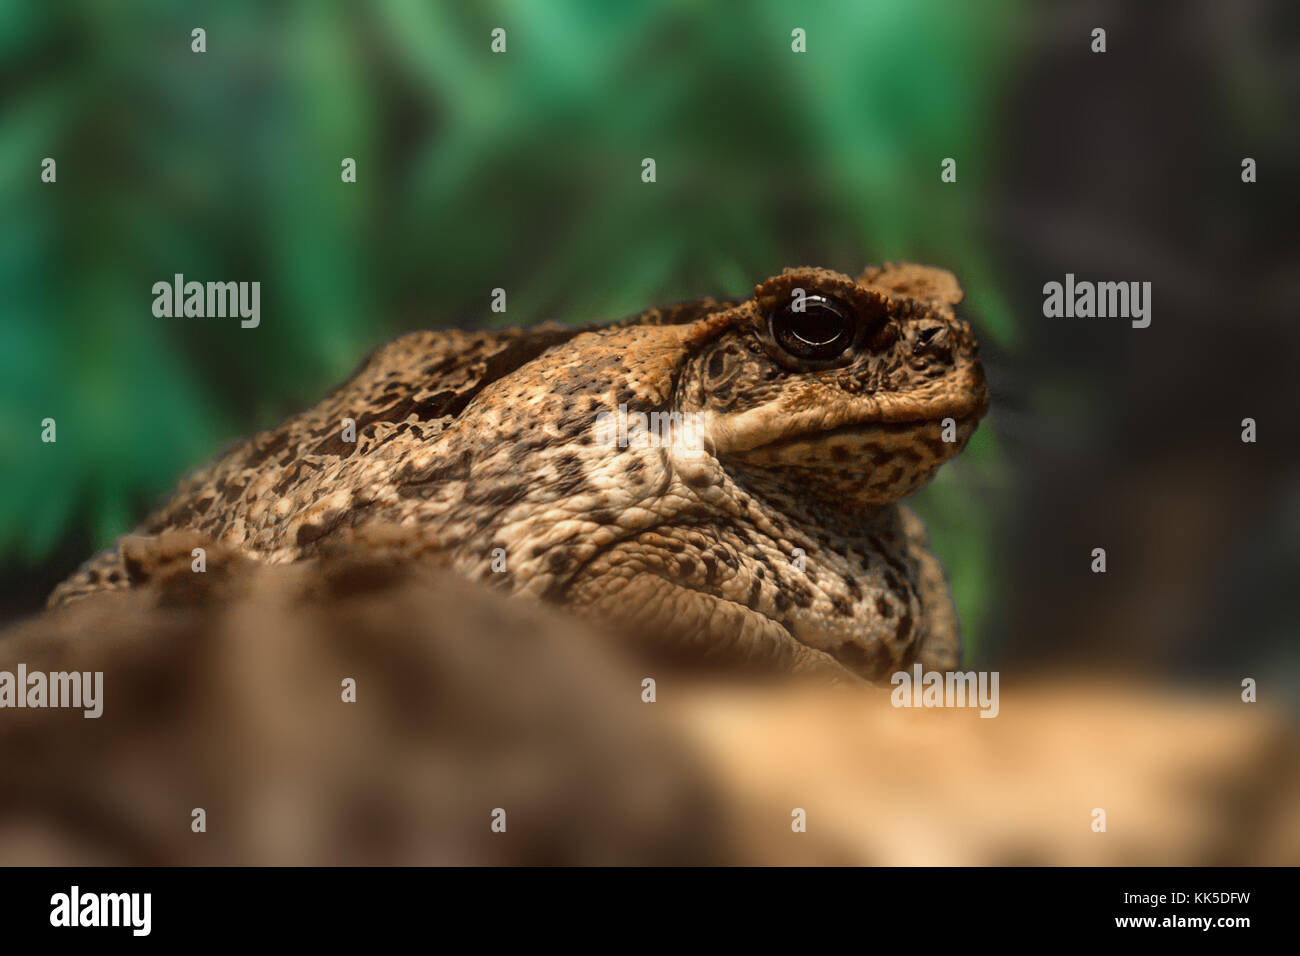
x: 777, y: 539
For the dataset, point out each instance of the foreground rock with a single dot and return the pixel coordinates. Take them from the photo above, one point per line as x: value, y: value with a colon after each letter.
x: 226, y: 691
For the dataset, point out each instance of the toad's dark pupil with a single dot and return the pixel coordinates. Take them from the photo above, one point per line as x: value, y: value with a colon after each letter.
x: 818, y: 326
x: 819, y: 332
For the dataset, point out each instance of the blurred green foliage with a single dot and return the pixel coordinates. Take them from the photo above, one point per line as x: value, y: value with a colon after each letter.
x: 475, y: 170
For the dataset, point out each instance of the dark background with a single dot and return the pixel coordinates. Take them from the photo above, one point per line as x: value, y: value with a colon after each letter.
x: 523, y: 171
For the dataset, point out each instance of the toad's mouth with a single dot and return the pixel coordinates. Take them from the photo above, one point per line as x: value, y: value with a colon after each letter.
x: 746, y: 434
x: 867, y: 429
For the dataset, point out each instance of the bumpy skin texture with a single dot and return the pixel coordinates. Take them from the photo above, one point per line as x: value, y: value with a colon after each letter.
x: 776, y: 540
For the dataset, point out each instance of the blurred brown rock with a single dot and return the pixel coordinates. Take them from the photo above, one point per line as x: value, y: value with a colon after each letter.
x: 224, y: 691
x: 1183, y: 779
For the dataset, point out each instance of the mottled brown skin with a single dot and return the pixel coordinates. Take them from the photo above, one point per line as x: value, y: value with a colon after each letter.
x: 471, y: 442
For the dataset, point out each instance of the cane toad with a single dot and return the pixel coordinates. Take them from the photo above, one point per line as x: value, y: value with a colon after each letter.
x: 775, y: 536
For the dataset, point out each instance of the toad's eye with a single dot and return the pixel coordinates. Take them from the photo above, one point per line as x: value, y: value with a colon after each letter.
x: 818, y: 333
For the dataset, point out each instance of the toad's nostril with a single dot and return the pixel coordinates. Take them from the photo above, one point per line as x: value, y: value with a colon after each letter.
x: 934, y: 341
